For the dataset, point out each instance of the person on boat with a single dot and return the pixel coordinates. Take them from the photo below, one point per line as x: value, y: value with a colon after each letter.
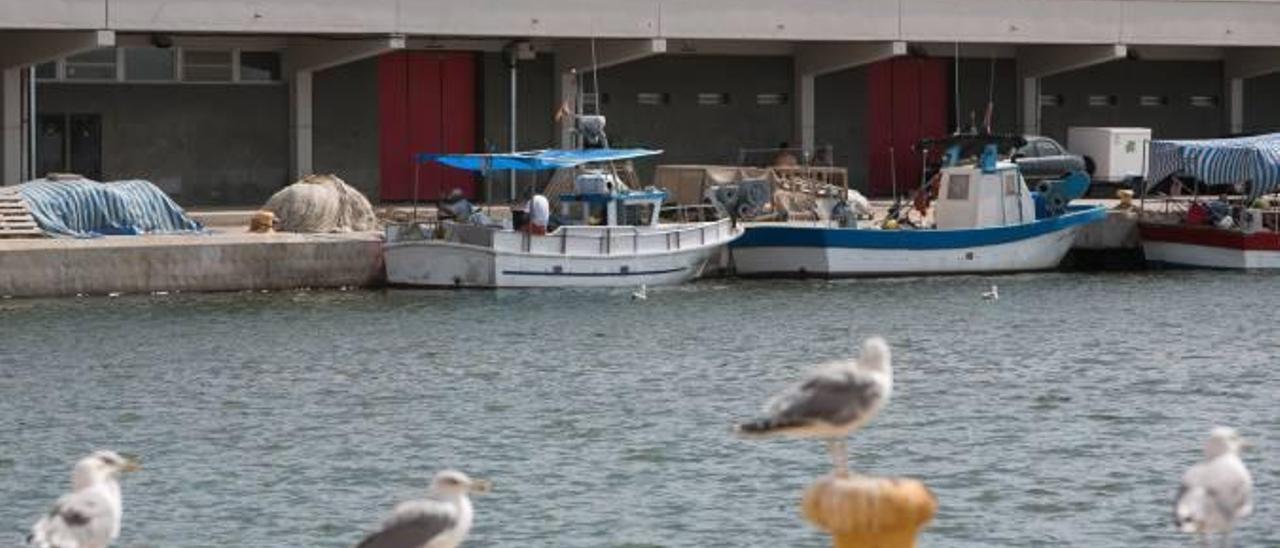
x: 784, y: 157
x: 456, y: 207
x: 539, y: 215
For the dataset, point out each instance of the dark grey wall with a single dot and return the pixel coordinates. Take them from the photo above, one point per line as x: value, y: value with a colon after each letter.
x: 1262, y: 104
x: 535, y: 111
x: 977, y: 87
x: 1129, y: 79
x: 691, y: 133
x: 840, y: 116
x: 345, y: 137
x: 203, y: 144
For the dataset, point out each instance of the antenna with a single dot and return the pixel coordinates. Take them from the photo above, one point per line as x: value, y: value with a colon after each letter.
x: 991, y: 95
x: 957, y: 78
x: 595, y: 76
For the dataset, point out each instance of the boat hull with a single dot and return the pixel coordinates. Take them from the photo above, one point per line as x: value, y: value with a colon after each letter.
x: 1209, y: 247
x: 443, y: 264
x: 798, y: 251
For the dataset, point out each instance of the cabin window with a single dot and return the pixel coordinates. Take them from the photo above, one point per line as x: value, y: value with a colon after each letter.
x: 958, y: 187
x: 636, y: 215
x: 1010, y: 184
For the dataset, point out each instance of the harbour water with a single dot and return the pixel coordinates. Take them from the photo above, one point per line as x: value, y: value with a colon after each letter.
x: 1061, y: 415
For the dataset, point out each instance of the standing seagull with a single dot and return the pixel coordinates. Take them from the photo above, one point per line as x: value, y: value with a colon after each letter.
x: 442, y: 520
x: 88, y: 516
x: 1216, y: 491
x: 831, y: 402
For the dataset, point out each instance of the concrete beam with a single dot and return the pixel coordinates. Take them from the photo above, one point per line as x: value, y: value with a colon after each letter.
x: 608, y: 53
x: 1252, y: 62
x: 303, y: 58
x: 1041, y: 61
x: 24, y: 48
x: 1036, y: 62
x: 813, y: 60
x: 312, y: 54
x: 819, y: 59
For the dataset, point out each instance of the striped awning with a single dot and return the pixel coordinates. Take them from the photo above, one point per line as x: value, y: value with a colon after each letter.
x: 1255, y: 160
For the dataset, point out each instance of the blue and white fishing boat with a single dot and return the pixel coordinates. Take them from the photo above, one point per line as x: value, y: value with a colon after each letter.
x: 609, y: 233
x: 985, y: 219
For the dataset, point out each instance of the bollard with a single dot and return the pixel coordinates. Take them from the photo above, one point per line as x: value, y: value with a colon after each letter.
x: 867, y: 512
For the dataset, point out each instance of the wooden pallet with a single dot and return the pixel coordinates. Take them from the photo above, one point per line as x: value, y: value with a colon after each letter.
x: 15, y: 217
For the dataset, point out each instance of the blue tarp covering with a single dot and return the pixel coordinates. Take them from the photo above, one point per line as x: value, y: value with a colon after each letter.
x: 538, y: 160
x: 87, y: 208
x: 1220, y: 161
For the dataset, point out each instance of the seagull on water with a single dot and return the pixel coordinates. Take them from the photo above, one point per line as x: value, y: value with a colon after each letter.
x: 993, y: 295
x: 640, y: 294
x: 88, y: 516
x: 442, y: 520
x: 831, y: 402
x: 1217, y: 491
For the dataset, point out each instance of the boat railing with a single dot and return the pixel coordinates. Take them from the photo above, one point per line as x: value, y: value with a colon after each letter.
x: 613, y: 240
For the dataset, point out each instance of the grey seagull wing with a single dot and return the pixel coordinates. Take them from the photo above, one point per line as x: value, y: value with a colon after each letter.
x: 77, y: 519
x: 837, y: 399
x: 409, y: 530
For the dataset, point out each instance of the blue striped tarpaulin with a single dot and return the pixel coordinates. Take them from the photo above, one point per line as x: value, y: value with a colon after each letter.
x: 1253, y: 159
x: 85, y: 208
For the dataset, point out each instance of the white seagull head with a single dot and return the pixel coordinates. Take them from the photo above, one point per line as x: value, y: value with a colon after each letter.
x: 875, y: 355
x: 100, y: 466
x: 1224, y: 440
x: 452, y: 483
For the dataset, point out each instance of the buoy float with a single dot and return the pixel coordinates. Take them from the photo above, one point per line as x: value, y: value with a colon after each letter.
x: 869, y: 512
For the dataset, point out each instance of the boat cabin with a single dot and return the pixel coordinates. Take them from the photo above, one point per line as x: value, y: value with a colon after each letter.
x: 976, y: 196
x: 599, y: 199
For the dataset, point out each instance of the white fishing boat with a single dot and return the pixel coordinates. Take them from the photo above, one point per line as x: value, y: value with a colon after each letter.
x: 984, y: 220
x: 609, y: 234
x: 1239, y: 234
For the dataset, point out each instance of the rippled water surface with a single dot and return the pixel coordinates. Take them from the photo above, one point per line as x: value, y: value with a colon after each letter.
x: 1061, y: 415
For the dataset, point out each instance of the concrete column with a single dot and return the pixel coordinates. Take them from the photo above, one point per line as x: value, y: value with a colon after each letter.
x: 22, y: 49
x: 584, y: 57
x: 12, y: 136
x: 1240, y: 64
x: 305, y: 57
x: 813, y: 60
x: 1029, y: 89
x: 1037, y: 62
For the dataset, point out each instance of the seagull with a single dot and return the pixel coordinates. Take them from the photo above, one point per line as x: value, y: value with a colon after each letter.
x: 442, y: 520
x: 831, y: 402
x: 1217, y: 491
x: 993, y: 295
x: 88, y: 516
x: 640, y: 294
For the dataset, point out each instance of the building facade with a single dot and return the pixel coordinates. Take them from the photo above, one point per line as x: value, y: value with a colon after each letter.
x: 222, y: 102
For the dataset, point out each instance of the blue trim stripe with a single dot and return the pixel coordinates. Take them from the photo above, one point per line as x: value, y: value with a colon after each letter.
x: 592, y: 274
x: 799, y: 236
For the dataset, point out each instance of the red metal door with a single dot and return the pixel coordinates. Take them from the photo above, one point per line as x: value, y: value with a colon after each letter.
x: 426, y: 104
x: 908, y: 102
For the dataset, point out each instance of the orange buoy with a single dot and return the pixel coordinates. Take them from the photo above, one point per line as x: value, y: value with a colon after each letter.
x: 869, y: 512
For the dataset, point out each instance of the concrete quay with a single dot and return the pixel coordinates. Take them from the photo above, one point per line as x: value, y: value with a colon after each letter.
x: 218, y: 261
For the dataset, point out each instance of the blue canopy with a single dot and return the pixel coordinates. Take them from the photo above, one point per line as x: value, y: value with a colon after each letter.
x: 537, y: 160
x: 1220, y: 161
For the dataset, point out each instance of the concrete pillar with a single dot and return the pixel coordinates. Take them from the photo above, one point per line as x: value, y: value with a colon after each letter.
x: 305, y: 57
x: 813, y: 60
x: 583, y: 57
x: 1037, y: 62
x: 1240, y: 64
x: 19, y: 50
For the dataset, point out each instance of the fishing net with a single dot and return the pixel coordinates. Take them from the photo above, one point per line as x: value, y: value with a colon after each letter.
x: 321, y: 203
